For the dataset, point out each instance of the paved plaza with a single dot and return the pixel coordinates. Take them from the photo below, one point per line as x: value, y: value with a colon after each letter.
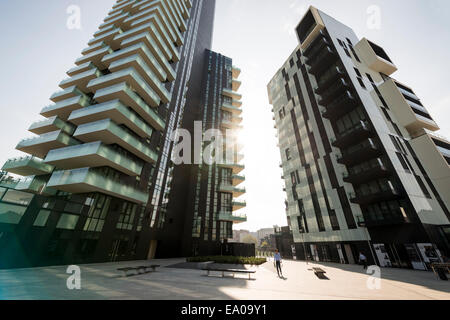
x: 103, y: 281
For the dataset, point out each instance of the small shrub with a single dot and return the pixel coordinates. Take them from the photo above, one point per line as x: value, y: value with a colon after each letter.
x: 229, y: 260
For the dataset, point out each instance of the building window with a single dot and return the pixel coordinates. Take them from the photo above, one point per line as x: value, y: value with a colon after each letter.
x: 360, y: 78
x: 282, y: 113
x: 295, y: 178
x: 67, y: 222
x: 288, y: 154
x: 403, y: 162
x: 41, y: 219
x: 423, y: 187
x: 353, y: 50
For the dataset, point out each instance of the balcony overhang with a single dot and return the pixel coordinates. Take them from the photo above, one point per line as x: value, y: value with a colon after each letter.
x: 64, y: 108
x: 238, y: 205
x: 375, y: 57
x: 88, y: 180
x: 404, y: 111
x: 226, y: 216
x: 110, y: 133
x: 50, y: 125
x: 309, y: 27
x: 40, y: 146
x: 27, y: 166
x: 93, y: 155
x: 128, y: 97
x: 114, y: 110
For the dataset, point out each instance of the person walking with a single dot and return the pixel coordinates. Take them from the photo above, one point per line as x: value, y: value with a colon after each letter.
x: 277, y: 259
x: 363, y: 260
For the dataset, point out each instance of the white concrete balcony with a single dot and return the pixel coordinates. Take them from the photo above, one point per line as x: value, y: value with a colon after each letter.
x: 110, y: 133
x: 163, y: 40
x: 237, y: 179
x: 93, y: 155
x: 41, y: 145
x: 409, y: 115
x: 157, y: 15
x: 64, y: 108
x: 116, y: 111
x: 80, y: 80
x: 235, y: 72
x: 375, y: 57
x: 50, y: 125
x: 127, y: 96
x: 235, y: 85
x: 238, y: 205
x: 95, y: 57
x: 81, y: 69
x: 146, y: 55
x: 235, y: 218
x: 132, y: 78
x: 146, y: 73
x: 70, y: 92
x: 87, y: 180
x: 108, y: 38
x: 230, y: 108
x: 27, y: 166
x: 232, y: 94
x: 117, y: 20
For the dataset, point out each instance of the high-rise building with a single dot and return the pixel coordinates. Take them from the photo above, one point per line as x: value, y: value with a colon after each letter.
x: 363, y: 172
x: 100, y: 183
x: 215, y: 186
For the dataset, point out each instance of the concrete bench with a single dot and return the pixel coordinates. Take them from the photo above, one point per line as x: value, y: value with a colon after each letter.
x: 319, y: 272
x: 233, y: 271
x: 138, y: 269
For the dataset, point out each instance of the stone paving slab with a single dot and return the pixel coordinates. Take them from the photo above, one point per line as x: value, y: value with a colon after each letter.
x: 103, y: 281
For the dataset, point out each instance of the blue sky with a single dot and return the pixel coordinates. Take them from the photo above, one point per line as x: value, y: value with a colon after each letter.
x: 38, y: 48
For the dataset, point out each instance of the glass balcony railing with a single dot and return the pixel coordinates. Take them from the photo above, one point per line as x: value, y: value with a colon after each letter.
x: 131, y: 76
x: 160, y: 56
x: 81, y: 68
x: 88, y: 180
x: 230, y: 108
x: 64, y: 108
x: 126, y: 95
x: 141, y: 50
x: 110, y: 133
x: 232, y: 94
x: 94, y: 154
x: 237, y: 179
x: 41, y: 145
x: 65, y: 94
x: 237, y: 192
x: 27, y: 166
x: 106, y: 37
x: 228, y: 216
x: 50, y: 125
x: 147, y: 74
x: 80, y: 80
x: 114, y: 110
x: 237, y: 205
x: 162, y: 39
x: 35, y: 184
x: 95, y: 57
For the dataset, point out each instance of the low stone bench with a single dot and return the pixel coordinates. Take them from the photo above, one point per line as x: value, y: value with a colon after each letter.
x: 233, y: 271
x: 138, y: 269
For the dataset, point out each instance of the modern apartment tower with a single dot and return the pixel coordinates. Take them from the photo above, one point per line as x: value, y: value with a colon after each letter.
x: 215, y: 186
x: 363, y: 172
x: 99, y: 172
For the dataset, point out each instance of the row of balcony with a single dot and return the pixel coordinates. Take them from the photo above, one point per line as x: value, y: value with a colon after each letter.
x: 353, y: 136
x: 88, y: 180
x: 228, y: 216
x: 360, y: 153
x: 95, y: 154
x: 341, y: 105
x: 365, y: 199
x: 27, y: 166
x: 237, y: 192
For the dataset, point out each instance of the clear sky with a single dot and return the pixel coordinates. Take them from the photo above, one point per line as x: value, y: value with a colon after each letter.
x: 38, y: 48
